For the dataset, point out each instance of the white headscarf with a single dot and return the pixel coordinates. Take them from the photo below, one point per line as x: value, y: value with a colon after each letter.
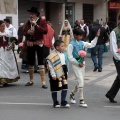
x: 69, y: 26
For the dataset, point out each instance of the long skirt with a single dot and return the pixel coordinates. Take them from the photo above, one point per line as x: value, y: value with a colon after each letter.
x: 8, y: 67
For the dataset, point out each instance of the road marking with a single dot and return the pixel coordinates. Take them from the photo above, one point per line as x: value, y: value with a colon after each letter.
x: 112, y: 106
x: 10, y: 103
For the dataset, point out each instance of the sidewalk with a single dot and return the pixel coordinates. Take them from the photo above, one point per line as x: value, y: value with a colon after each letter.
x: 104, y: 78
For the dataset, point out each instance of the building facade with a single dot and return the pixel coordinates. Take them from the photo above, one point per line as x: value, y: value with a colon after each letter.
x: 9, y: 9
x: 52, y: 9
x: 89, y: 10
x: 58, y: 10
x: 113, y: 10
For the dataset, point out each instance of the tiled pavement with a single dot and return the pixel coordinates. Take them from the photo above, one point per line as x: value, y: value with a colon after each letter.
x: 104, y: 78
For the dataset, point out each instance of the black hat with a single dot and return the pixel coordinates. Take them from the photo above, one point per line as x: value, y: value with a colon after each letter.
x: 34, y: 10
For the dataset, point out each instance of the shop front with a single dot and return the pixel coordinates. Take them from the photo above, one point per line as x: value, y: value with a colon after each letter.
x: 113, y: 12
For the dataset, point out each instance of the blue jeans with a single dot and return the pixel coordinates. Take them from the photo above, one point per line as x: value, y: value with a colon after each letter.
x: 97, y: 51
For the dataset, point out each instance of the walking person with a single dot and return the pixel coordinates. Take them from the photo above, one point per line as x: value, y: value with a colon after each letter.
x: 57, y: 65
x: 78, y: 63
x: 85, y: 28
x: 8, y: 64
x: 66, y: 33
x: 98, y: 50
x: 115, y: 49
x: 33, y: 30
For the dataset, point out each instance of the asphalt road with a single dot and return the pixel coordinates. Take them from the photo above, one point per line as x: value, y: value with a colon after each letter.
x: 18, y: 102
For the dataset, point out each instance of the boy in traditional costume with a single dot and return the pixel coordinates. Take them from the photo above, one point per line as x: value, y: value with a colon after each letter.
x: 57, y: 65
x: 78, y: 64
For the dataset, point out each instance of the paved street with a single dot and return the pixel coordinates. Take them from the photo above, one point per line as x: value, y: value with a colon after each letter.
x: 18, y: 102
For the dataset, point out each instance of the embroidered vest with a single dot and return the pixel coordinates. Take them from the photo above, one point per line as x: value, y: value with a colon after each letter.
x: 55, y: 60
x: 76, y: 47
x: 4, y: 41
x: 117, y: 32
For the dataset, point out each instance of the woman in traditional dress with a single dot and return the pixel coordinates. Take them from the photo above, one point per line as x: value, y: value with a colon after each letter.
x: 8, y: 65
x: 66, y: 33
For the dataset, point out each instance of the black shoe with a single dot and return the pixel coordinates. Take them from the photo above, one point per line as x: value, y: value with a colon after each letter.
x: 111, y: 99
x: 65, y: 104
x: 95, y: 69
x: 99, y: 70
x: 56, y: 105
x: 29, y: 83
x: 44, y: 86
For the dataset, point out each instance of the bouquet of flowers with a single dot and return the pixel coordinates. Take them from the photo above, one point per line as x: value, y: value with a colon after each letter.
x: 81, y: 55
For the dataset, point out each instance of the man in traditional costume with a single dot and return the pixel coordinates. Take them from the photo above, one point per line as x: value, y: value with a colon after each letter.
x: 115, y: 49
x: 33, y: 31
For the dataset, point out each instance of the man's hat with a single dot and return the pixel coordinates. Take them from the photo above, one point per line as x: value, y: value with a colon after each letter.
x: 34, y: 10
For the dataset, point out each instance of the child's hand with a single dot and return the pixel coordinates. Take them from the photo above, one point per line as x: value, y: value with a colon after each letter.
x: 98, y: 33
x: 54, y: 78
x: 81, y: 65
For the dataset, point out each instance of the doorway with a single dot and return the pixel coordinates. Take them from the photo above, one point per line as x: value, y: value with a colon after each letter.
x: 69, y: 13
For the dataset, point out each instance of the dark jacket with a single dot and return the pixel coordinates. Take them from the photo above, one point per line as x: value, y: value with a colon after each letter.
x: 102, y: 39
x: 20, y: 34
x: 39, y: 31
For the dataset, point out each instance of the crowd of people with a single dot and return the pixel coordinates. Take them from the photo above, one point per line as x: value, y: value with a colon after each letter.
x: 39, y: 51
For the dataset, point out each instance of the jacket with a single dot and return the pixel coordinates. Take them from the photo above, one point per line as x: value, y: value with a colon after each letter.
x: 102, y: 39
x: 39, y: 31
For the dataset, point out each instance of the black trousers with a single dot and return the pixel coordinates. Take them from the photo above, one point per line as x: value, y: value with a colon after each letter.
x: 54, y: 84
x: 116, y: 84
x: 31, y: 54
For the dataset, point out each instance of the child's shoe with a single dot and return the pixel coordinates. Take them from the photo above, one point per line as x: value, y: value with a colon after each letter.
x: 65, y: 104
x: 56, y: 105
x: 72, y: 98
x: 83, y: 104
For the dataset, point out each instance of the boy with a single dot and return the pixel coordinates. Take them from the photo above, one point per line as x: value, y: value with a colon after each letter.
x: 57, y: 65
x: 79, y: 67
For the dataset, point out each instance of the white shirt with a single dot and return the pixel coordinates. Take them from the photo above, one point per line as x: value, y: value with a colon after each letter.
x: 85, y: 45
x: 113, y: 45
x: 13, y: 31
x: 82, y: 28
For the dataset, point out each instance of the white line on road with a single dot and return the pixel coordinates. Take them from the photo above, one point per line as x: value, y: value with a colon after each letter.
x: 112, y: 106
x: 10, y: 103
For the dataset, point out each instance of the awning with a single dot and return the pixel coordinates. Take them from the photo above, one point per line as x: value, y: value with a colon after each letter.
x: 55, y: 1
